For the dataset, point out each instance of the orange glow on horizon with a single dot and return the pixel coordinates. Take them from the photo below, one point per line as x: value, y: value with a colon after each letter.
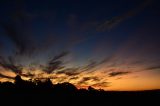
x: 143, y: 80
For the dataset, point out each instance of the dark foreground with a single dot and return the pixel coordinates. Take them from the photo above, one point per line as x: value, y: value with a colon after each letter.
x: 45, y: 93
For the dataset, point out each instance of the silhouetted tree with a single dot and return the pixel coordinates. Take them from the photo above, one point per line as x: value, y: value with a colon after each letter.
x: 65, y: 87
x: 18, y: 81
x: 91, y: 89
x: 44, y: 92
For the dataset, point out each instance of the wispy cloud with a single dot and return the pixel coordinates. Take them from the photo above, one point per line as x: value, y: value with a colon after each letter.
x: 156, y: 67
x: 69, y: 71
x: 109, y: 24
x: 10, y: 65
x: 16, y: 30
x: 5, y: 76
x: 85, y: 80
x: 101, y: 84
x: 113, y: 74
x: 55, y: 63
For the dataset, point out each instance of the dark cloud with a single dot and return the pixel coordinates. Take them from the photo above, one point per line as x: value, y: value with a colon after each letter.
x: 16, y: 29
x: 44, y: 78
x: 69, y: 71
x: 53, y: 66
x: 15, y: 36
x: 85, y: 79
x: 156, y: 67
x: 10, y: 65
x: 21, y: 30
x: 5, y: 76
x: 77, y: 70
x: 95, y: 78
x: 101, y: 84
x: 27, y: 74
x: 57, y: 57
x: 113, y: 74
x: 109, y: 24
x: 74, y: 78
x: 90, y: 65
x: 55, y: 63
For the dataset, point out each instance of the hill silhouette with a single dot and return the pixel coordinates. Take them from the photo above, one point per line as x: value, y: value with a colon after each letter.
x: 37, y: 92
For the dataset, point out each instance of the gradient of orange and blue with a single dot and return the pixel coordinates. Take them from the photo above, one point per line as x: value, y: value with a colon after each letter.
x: 112, y: 45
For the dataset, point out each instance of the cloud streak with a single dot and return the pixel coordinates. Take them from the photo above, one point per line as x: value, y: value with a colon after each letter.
x: 5, y: 76
x: 55, y: 63
x: 155, y: 67
x: 109, y: 24
x: 9, y: 65
x: 119, y: 73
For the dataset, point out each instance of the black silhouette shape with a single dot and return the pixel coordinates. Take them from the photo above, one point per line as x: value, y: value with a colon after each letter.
x: 37, y: 92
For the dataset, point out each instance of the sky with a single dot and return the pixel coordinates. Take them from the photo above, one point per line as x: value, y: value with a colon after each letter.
x: 106, y: 44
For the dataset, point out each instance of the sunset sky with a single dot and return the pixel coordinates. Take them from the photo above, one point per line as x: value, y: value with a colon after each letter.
x: 107, y: 44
